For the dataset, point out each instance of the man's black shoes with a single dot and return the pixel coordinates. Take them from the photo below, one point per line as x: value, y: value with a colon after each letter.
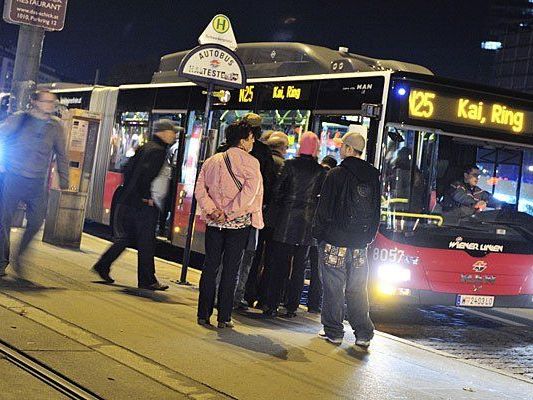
x: 102, y: 273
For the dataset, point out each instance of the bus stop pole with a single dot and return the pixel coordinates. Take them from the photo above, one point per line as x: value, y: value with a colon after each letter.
x: 26, y: 70
x: 201, y: 159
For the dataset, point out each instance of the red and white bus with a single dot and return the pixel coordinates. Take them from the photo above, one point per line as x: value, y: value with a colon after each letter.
x: 421, y: 130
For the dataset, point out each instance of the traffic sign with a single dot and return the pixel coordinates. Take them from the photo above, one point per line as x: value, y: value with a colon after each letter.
x: 46, y: 14
x: 213, y: 64
x: 219, y: 31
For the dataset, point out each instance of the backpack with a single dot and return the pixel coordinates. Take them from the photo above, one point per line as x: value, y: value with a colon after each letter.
x: 357, y: 208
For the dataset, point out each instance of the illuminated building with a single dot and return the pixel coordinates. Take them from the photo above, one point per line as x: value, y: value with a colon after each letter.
x: 508, y: 47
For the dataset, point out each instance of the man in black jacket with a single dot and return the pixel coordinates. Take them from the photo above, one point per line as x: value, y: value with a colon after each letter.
x: 346, y: 222
x: 135, y: 215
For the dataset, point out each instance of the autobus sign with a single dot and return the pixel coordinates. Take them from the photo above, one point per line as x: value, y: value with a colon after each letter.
x: 46, y: 14
x: 213, y: 64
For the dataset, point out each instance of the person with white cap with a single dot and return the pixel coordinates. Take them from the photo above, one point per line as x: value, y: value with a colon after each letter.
x: 136, y: 212
x: 346, y: 221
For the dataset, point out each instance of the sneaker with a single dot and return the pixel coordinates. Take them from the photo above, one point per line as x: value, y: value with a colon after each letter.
x: 270, y: 313
x: 203, y: 321
x: 241, y: 306
x: 227, y: 324
x: 290, y: 314
x: 154, y: 286
x: 323, y: 335
x: 362, y: 343
x: 102, y: 273
x: 19, y: 268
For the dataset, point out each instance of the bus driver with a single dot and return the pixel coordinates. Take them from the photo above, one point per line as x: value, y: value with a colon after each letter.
x: 465, y: 198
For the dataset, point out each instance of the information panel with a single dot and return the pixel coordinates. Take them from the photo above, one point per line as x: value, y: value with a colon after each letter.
x: 470, y: 110
x: 47, y: 14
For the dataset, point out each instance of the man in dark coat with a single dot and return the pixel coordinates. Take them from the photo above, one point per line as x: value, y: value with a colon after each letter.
x: 295, y: 200
x: 135, y: 216
x: 346, y: 221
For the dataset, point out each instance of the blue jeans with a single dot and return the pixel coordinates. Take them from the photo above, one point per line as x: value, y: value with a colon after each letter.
x: 31, y: 191
x: 344, y: 279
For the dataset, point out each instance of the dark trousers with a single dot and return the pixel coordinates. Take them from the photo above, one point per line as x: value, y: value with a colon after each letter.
x: 314, y: 298
x: 15, y: 189
x: 134, y: 226
x: 226, y: 246
x: 257, y: 281
x: 281, y: 265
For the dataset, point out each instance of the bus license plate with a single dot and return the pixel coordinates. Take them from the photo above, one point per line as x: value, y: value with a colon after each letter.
x: 467, y: 300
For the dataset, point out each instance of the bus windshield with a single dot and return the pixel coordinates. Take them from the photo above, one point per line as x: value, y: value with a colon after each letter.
x: 438, y: 181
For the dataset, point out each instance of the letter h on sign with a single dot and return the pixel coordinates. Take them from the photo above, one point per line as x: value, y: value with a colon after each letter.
x: 220, y: 24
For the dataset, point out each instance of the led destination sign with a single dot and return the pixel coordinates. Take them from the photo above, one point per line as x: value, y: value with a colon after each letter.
x: 276, y: 93
x: 470, y: 111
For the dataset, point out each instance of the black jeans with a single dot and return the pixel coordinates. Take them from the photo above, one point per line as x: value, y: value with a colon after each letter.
x: 258, y: 277
x: 314, y: 298
x: 134, y: 226
x: 226, y: 245
x: 281, y: 260
x: 15, y: 189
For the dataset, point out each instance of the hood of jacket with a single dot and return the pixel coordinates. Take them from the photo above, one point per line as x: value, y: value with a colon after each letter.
x: 360, y: 168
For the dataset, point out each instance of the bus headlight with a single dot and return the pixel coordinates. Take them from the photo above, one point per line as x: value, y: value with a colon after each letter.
x: 393, y: 273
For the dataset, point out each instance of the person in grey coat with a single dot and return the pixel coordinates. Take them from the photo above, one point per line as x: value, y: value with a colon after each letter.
x: 28, y: 140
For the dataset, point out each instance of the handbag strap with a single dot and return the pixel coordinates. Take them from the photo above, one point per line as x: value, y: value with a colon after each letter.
x: 230, y: 170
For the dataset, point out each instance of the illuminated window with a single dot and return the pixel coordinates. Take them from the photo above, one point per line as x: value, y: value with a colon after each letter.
x: 490, y: 45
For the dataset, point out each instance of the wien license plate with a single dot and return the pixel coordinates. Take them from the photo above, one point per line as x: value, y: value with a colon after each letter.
x: 467, y: 300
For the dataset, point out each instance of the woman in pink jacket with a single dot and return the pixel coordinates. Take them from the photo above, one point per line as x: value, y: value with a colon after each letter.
x: 229, y: 192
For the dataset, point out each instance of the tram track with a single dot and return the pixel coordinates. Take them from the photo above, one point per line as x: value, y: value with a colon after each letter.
x: 42, y: 372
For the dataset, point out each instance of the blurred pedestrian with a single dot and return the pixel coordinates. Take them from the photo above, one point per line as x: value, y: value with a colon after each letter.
x: 346, y: 222
x: 229, y: 191
x: 27, y: 141
x: 314, y: 296
x: 136, y: 213
x: 294, y: 203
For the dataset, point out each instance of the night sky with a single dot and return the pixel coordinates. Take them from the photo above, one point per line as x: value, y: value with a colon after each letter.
x: 443, y: 35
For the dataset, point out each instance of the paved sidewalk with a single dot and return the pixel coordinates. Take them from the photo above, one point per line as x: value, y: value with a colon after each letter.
x: 128, y: 343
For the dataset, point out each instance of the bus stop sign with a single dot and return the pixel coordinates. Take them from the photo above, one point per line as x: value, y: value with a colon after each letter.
x: 219, y: 31
x: 215, y: 65
x: 46, y: 14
